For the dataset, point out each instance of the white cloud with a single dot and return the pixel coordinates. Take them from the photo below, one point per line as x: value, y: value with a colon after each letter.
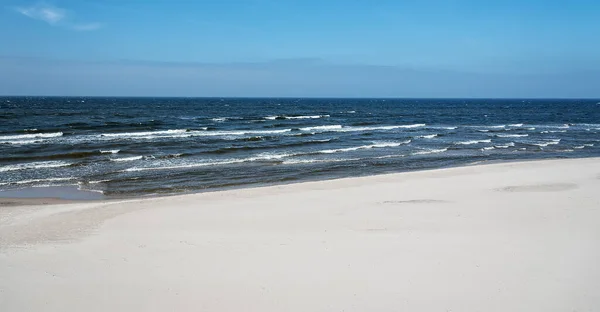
x: 56, y: 17
x: 43, y: 12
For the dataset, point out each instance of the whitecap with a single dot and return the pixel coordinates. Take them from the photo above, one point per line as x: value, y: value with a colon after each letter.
x: 110, y: 151
x: 473, y: 142
x: 512, y: 135
x: 431, y: 151
x: 127, y: 158
x: 356, y: 148
x: 34, y: 165
x: 31, y: 136
x: 322, y: 128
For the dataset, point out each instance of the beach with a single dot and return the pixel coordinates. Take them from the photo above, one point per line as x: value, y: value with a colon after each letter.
x: 515, y: 236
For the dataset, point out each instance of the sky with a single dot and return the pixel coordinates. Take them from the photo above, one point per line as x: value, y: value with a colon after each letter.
x: 307, y: 48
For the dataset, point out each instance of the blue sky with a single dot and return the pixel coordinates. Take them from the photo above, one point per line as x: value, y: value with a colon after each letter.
x: 451, y: 48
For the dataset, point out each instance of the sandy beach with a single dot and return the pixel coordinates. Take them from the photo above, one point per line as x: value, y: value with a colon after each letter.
x: 500, y: 237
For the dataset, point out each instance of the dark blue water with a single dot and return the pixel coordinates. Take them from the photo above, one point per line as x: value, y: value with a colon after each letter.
x: 133, y: 146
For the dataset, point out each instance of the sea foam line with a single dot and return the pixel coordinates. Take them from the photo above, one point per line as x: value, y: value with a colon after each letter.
x: 37, y: 181
x: 34, y: 165
x: 356, y: 148
x: 473, y: 142
x: 31, y: 136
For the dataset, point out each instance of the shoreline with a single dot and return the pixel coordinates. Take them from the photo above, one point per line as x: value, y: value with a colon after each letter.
x: 518, y: 236
x: 74, y: 194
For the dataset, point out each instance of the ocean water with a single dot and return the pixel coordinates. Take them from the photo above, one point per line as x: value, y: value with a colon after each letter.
x: 140, y: 146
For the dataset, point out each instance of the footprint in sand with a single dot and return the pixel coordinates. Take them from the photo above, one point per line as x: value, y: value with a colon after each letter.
x: 555, y: 187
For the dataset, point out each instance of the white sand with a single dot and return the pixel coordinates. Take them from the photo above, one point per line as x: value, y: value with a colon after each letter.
x: 503, y: 237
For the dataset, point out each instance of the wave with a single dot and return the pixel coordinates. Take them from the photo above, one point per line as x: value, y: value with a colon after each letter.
x: 322, y: 128
x: 546, y: 143
x: 34, y: 165
x: 431, y: 151
x: 510, y: 144
x: 445, y: 128
x: 584, y: 146
x: 487, y: 148
x: 233, y: 149
x: 553, y: 131
x: 37, y: 181
x: 145, y: 134
x: 340, y: 128
x: 127, y: 158
x: 516, y: 125
x: 429, y: 136
x: 312, y: 161
x: 110, y: 151
x: 184, y: 166
x: 184, y: 133
x: 31, y: 136
x: 296, y: 117
x: 356, y: 148
x: 511, y: 135
x: 473, y: 142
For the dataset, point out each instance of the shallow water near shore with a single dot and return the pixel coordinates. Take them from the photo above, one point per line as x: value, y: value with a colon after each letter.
x: 142, y: 146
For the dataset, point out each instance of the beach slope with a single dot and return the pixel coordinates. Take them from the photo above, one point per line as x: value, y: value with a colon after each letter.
x: 501, y: 237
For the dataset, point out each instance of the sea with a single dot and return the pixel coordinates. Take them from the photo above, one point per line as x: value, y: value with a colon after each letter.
x: 129, y: 147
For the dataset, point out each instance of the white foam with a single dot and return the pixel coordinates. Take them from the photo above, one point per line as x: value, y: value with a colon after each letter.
x: 99, y: 181
x: 311, y: 161
x: 430, y: 136
x: 512, y: 135
x: 340, y: 128
x: 350, y: 129
x: 432, y: 151
x: 544, y: 144
x: 219, y: 119
x: 322, y: 128
x: 234, y: 161
x: 110, y: 152
x: 184, y: 133
x: 579, y: 147
x: 473, y: 142
x: 445, y: 128
x: 127, y: 158
x: 34, y: 165
x: 356, y: 148
x: 144, y: 134
x: 21, y: 142
x: 487, y: 148
x: 511, y: 144
x: 37, y: 181
x: 516, y: 125
x: 307, y: 117
x: 297, y: 117
x: 31, y: 136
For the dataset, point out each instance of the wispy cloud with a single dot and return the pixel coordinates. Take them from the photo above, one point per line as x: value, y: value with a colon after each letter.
x: 43, y: 12
x: 55, y: 16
